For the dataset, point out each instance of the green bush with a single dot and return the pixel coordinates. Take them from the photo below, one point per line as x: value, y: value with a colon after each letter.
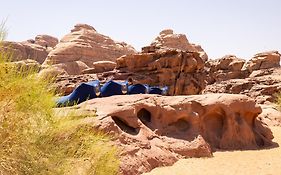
x: 34, y: 141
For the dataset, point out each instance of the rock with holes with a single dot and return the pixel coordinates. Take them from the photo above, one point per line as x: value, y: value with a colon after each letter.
x: 154, y: 131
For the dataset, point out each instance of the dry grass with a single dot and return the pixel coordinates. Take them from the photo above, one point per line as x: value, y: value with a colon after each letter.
x: 34, y: 141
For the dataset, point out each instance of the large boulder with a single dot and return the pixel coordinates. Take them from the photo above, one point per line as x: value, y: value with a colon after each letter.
x: 85, y: 44
x: 263, y: 60
x: 46, y: 41
x: 153, y: 131
x: 225, y: 68
x: 100, y: 66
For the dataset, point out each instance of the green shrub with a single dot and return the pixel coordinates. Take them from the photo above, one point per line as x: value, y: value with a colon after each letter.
x: 34, y: 141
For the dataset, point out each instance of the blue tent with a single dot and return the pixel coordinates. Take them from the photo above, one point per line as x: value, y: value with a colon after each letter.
x: 138, y: 89
x: 86, y: 91
x: 83, y: 92
x: 158, y: 90
x: 114, y: 88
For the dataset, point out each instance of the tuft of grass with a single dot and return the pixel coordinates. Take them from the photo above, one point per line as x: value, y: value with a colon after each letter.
x: 34, y: 141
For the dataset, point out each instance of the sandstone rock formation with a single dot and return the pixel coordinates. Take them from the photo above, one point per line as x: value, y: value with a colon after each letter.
x: 262, y: 88
x: 180, y: 70
x: 100, y: 67
x: 156, y: 131
x: 271, y: 114
x: 25, y: 50
x: 263, y: 60
x: 259, y: 78
x: 37, y: 49
x: 168, y: 39
x: 225, y: 68
x: 46, y: 41
x: 262, y: 85
x: 84, y: 45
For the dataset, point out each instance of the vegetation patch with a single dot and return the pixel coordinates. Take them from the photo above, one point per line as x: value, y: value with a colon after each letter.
x: 33, y: 140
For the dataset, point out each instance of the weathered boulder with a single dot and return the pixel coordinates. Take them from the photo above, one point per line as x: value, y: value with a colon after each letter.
x: 85, y: 44
x: 155, y: 131
x: 37, y: 49
x: 227, y: 62
x: 51, y: 72
x: 99, y: 67
x: 271, y: 114
x: 263, y: 60
x: 46, y: 41
x: 25, y: 50
x: 262, y: 85
x: 168, y: 39
x: 225, y: 68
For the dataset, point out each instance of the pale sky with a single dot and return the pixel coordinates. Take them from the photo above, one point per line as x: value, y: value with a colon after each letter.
x: 239, y: 27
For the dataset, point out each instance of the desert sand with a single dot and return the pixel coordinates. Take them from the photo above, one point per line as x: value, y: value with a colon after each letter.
x: 264, y: 162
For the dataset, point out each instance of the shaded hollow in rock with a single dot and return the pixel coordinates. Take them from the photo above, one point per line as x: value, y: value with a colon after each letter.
x: 124, y: 126
x: 214, y: 123
x: 144, y: 116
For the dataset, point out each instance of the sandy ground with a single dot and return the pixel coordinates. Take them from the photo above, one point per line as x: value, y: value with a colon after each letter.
x: 253, y: 162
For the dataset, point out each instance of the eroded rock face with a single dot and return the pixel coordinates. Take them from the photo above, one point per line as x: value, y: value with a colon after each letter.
x: 168, y: 39
x: 25, y: 50
x: 261, y: 85
x: 156, y: 131
x: 180, y: 70
x: 271, y: 114
x: 225, y: 68
x: 84, y: 44
x: 37, y: 49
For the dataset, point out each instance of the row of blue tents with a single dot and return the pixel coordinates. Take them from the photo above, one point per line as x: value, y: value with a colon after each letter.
x: 93, y: 89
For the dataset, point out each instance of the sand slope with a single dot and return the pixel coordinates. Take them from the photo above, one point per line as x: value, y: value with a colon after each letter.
x: 251, y: 162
